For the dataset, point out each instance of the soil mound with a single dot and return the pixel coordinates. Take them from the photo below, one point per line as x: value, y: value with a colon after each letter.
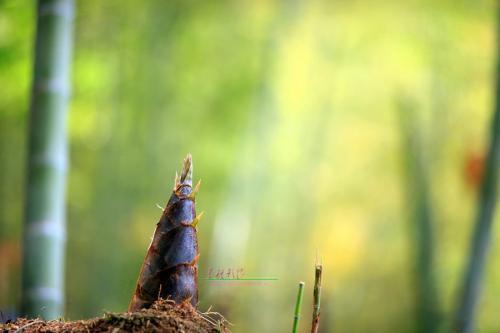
x: 163, y: 316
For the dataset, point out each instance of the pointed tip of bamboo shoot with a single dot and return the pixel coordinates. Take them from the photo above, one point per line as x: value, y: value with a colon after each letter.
x: 187, y: 172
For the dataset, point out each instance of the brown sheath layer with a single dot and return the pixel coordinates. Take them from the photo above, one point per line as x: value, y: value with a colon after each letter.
x: 170, y: 269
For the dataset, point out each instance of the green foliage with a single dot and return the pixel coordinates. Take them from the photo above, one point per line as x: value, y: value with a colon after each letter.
x: 301, y: 102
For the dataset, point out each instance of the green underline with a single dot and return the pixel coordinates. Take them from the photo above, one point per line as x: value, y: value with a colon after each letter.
x: 241, y: 279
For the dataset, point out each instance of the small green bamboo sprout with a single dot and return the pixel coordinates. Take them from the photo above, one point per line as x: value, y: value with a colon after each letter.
x: 317, y: 298
x: 298, y: 305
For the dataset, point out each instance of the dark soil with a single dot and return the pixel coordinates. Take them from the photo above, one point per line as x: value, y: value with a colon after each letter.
x: 163, y: 316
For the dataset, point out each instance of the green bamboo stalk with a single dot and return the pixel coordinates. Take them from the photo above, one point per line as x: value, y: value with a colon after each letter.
x: 465, y: 315
x: 298, y: 305
x: 316, y: 298
x: 421, y: 222
x: 44, y: 229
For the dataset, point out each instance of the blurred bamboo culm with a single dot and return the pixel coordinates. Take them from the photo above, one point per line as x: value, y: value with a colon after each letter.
x: 44, y: 229
x: 421, y: 228
x: 316, y: 298
x: 298, y: 305
x: 465, y: 315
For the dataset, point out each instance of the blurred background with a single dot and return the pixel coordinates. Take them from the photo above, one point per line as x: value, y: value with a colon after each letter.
x: 319, y: 128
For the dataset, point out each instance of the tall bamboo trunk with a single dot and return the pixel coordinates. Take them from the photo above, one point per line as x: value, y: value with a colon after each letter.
x: 44, y: 229
x: 465, y: 315
x: 421, y: 221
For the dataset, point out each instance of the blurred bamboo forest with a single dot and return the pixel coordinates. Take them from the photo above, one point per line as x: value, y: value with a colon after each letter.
x: 316, y: 127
